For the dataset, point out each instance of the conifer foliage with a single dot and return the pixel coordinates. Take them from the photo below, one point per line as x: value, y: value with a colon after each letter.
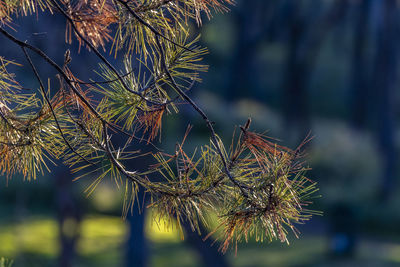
x: 256, y: 187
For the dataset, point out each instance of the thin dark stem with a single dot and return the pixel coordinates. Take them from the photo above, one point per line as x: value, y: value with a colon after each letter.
x: 73, y: 119
x: 151, y: 28
x: 28, y: 58
x: 114, y: 161
x: 102, y: 82
x: 114, y: 127
x: 99, y: 55
x: 203, y: 115
x: 65, y: 77
x: 54, y: 65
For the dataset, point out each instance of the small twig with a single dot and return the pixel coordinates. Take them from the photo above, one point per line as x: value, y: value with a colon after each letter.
x: 54, y: 65
x: 114, y: 161
x: 51, y: 107
x: 99, y: 55
x: 205, y: 118
x: 151, y: 28
x: 102, y: 82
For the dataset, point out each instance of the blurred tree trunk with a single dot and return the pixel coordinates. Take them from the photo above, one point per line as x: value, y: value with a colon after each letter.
x: 137, y: 252
x: 251, y: 28
x: 360, y: 89
x: 295, y: 106
x: 69, y: 217
x: 207, y: 249
x: 385, y: 78
x: 305, y: 40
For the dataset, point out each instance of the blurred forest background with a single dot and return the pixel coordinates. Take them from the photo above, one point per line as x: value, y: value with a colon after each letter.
x: 329, y: 67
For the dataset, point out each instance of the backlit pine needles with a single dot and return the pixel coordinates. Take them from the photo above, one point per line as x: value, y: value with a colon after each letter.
x: 256, y: 187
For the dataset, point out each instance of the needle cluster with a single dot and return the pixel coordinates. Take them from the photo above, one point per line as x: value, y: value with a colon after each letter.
x: 256, y: 187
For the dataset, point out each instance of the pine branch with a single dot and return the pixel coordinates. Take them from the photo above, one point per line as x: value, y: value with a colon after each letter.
x: 205, y: 118
x: 28, y: 58
x: 256, y: 187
